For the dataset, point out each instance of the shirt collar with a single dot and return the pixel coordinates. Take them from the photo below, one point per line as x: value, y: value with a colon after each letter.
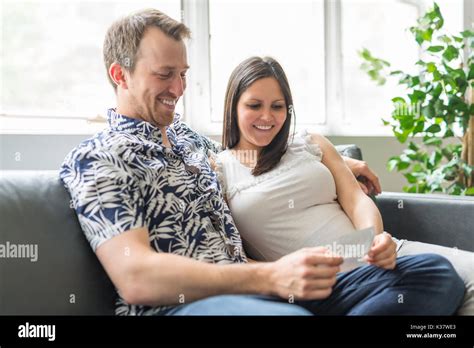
x: 122, y: 123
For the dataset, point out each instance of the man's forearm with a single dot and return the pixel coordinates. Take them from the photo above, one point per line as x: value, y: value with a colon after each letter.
x: 159, y: 283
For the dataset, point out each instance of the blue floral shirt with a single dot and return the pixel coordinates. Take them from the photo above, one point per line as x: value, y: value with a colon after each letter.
x: 124, y: 178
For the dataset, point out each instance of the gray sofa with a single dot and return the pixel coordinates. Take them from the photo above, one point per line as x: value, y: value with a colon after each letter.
x: 67, y: 279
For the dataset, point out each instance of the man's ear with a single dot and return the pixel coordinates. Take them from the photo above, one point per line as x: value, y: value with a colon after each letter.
x: 118, y: 75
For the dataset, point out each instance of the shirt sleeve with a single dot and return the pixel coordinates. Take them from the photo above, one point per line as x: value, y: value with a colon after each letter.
x: 310, y: 146
x: 104, y: 195
x: 206, y: 143
x: 211, y: 145
x: 219, y: 169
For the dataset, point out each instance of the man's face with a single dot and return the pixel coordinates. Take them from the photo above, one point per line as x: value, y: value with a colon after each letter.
x: 159, y: 78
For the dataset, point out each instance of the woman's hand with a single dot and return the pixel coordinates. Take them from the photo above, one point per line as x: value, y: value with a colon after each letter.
x: 367, y: 179
x: 383, y: 252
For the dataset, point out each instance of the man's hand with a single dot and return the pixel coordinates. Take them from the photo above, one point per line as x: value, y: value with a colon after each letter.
x: 383, y: 252
x: 368, y: 180
x: 309, y: 273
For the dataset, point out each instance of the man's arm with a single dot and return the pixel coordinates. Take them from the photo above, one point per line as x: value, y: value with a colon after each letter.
x: 143, y: 276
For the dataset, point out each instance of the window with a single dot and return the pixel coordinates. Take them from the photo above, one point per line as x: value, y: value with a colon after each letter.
x: 290, y: 31
x: 52, y: 71
x: 52, y: 78
x: 317, y: 44
x: 381, y: 27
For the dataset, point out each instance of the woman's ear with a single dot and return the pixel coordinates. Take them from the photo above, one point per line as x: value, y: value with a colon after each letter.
x: 118, y: 75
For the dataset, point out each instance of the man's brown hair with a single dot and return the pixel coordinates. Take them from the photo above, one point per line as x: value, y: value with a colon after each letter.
x: 124, y: 35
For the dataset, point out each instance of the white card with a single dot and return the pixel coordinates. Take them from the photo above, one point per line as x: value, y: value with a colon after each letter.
x: 353, y: 247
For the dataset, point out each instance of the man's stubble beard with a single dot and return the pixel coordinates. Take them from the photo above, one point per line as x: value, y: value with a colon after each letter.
x: 152, y: 115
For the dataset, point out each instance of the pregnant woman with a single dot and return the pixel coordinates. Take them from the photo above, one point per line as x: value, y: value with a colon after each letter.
x: 287, y: 191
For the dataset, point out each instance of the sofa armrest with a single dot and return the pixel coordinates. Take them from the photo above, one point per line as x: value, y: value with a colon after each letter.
x: 430, y: 218
x: 66, y: 277
x: 349, y: 150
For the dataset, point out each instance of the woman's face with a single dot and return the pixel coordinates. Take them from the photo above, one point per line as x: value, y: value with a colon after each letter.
x: 261, y: 112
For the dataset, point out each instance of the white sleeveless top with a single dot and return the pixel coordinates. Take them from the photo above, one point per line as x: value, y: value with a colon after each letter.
x: 292, y: 206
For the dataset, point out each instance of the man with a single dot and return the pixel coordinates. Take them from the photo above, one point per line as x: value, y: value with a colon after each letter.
x: 152, y: 210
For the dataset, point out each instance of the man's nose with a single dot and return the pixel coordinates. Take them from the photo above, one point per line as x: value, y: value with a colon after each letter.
x: 178, y: 85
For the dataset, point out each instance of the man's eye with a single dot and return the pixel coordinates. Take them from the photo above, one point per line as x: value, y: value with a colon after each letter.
x: 164, y: 76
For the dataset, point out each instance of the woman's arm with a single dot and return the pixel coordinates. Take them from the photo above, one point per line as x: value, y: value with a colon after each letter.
x: 359, y: 207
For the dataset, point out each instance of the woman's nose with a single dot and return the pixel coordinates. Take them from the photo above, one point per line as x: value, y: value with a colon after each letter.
x: 267, y: 114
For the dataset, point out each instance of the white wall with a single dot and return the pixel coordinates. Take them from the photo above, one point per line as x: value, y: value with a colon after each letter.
x: 46, y: 152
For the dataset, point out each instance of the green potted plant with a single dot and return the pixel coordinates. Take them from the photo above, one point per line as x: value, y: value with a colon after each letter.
x: 437, y: 106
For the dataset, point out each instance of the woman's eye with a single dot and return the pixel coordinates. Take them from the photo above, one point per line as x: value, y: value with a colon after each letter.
x: 278, y: 107
x: 254, y: 106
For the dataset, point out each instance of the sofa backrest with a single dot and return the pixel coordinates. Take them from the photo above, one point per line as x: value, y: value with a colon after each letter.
x: 66, y: 278
x: 430, y: 218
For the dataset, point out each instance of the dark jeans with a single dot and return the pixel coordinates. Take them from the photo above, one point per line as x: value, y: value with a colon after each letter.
x: 424, y: 284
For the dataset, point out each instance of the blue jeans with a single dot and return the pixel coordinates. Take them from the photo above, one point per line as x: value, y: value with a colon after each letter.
x: 424, y: 284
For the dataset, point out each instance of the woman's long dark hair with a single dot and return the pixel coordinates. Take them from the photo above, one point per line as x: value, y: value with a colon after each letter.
x: 246, y: 73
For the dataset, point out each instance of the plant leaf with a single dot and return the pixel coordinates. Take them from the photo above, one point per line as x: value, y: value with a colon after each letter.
x: 410, y: 177
x: 467, y: 33
x: 450, y: 53
x: 398, y: 100
x: 470, y: 75
x: 427, y: 140
x: 419, y: 127
x: 403, y: 165
x: 392, y: 163
x: 435, y: 48
x: 434, y: 128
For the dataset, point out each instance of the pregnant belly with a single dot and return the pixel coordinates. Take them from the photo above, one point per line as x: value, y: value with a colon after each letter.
x: 269, y: 239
